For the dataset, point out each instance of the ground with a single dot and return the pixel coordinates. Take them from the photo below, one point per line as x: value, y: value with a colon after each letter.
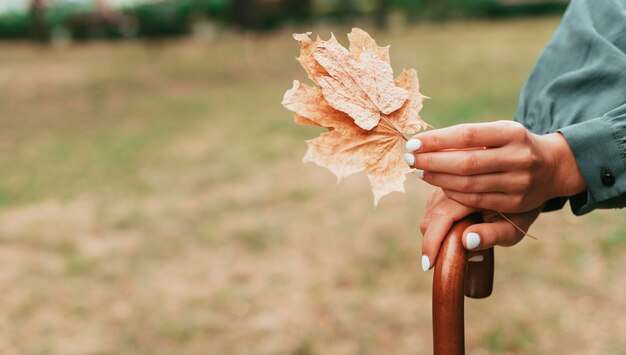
x: 153, y: 201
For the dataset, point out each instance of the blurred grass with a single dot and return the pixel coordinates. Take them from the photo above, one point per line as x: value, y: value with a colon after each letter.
x: 152, y: 201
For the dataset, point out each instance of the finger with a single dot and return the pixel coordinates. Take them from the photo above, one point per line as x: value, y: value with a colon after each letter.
x: 495, y: 182
x: 486, y: 235
x: 499, y: 232
x: 465, y: 162
x: 441, y: 219
x: 438, y: 227
x: 471, y: 135
x: 431, y: 197
x: 497, y: 201
x: 434, y: 199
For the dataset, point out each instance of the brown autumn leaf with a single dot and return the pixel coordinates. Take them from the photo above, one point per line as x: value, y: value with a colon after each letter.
x: 348, y: 147
x: 360, y: 39
x: 363, y: 89
x: 306, y: 59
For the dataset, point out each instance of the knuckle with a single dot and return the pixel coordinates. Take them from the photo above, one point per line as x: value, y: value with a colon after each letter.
x: 519, y: 132
x: 438, y: 211
x: 427, y: 161
x: 443, y: 214
x: 526, y: 180
x: 522, y: 182
x: 500, y: 236
x: 515, y: 129
x: 469, y: 164
x: 474, y: 199
x: 528, y: 159
x: 468, y: 184
x: 508, y: 126
x: 490, y: 236
x: 468, y: 134
x: 448, y: 219
x: 512, y: 124
x: 517, y: 201
x: 431, y: 140
x: 510, y: 236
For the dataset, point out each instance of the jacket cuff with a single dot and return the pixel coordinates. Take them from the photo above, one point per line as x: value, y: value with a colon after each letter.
x: 554, y: 204
x: 601, y: 160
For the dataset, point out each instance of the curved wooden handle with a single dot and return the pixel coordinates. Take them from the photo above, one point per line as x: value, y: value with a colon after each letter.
x: 454, y: 276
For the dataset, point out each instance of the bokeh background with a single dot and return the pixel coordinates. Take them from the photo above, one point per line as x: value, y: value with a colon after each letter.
x: 153, y: 199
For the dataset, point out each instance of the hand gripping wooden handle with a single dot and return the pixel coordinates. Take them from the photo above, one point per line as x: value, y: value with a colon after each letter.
x: 454, y: 276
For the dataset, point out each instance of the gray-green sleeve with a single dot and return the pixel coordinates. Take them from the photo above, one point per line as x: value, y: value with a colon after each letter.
x: 578, y: 88
x: 599, y: 147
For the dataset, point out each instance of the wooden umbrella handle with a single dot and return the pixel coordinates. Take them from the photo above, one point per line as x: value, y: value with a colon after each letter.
x: 453, y: 277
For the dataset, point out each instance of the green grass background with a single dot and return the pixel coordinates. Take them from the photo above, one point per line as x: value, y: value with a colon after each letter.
x: 153, y: 201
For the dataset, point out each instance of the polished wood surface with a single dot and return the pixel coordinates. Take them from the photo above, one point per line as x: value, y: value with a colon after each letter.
x: 453, y: 277
x: 479, y: 274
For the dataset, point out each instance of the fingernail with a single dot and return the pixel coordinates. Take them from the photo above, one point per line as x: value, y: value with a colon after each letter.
x: 472, y: 240
x: 476, y: 258
x: 413, y: 144
x: 425, y: 263
x: 410, y: 159
x: 419, y: 173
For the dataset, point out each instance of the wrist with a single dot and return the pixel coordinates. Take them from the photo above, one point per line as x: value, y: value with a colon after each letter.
x: 568, y: 180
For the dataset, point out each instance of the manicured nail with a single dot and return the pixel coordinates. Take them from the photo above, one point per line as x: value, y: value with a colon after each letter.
x: 476, y: 258
x: 472, y: 240
x: 410, y: 159
x: 419, y: 173
x: 413, y: 145
x: 425, y: 263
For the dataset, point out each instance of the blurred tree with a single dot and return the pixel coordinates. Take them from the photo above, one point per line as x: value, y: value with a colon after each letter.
x: 242, y: 13
x: 381, y: 13
x: 105, y: 10
x: 39, y: 28
x: 267, y: 14
x: 297, y: 9
x: 101, y: 21
x: 346, y: 9
x: 105, y: 18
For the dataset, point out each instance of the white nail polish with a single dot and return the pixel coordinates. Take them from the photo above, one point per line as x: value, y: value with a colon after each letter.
x: 472, y: 240
x: 419, y: 173
x: 476, y: 258
x: 425, y: 263
x: 413, y: 144
x: 410, y: 159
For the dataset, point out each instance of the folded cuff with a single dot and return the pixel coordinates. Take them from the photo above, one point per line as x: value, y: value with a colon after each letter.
x: 601, y: 160
x: 554, y: 204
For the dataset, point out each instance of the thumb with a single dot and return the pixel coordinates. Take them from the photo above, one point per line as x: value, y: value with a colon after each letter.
x: 497, y: 232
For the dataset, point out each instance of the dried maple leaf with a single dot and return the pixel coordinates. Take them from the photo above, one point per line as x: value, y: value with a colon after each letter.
x: 363, y: 88
x: 348, y: 147
x: 306, y: 59
x: 360, y: 39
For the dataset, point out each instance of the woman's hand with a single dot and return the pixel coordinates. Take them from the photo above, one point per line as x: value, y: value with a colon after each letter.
x: 442, y: 212
x: 498, y: 166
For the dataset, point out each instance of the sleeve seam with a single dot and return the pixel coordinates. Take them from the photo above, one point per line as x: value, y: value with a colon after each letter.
x: 620, y: 147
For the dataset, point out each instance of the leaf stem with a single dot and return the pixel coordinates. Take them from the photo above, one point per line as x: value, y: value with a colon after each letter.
x: 515, y: 225
x: 393, y: 128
